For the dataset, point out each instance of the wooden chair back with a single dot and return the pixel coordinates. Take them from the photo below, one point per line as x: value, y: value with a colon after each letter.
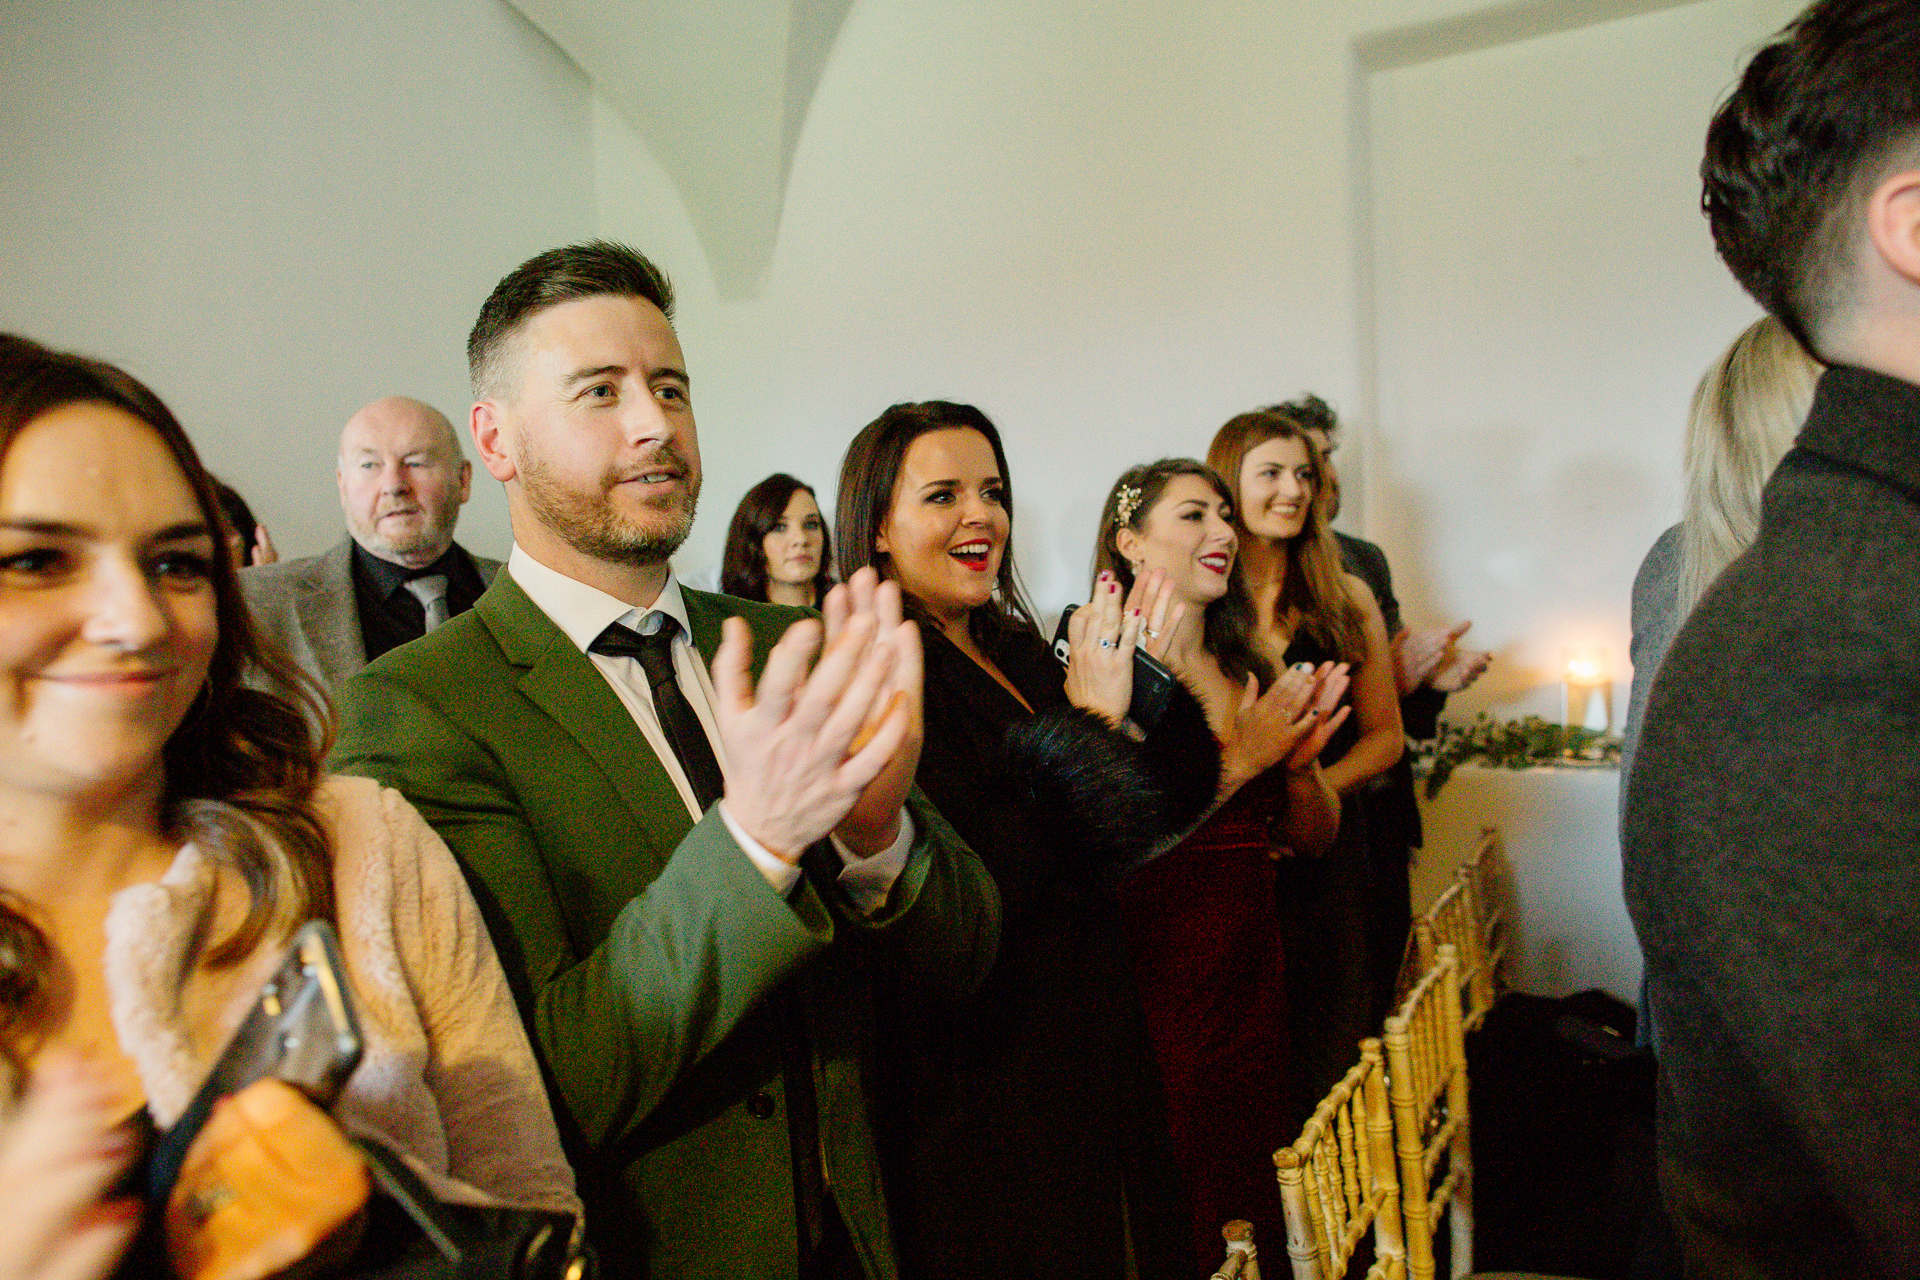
x: 1472, y: 916
x: 1490, y: 900
x: 1337, y: 1180
x: 1242, y: 1263
x: 1427, y: 1083
x: 1451, y: 921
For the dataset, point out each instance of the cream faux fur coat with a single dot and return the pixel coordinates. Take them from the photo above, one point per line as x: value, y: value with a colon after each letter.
x: 447, y: 1078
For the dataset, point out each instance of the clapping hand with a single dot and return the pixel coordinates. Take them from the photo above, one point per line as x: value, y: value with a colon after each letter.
x: 1290, y: 723
x: 1430, y: 656
x: 802, y: 749
x: 874, y: 821
x: 60, y: 1151
x: 1102, y: 637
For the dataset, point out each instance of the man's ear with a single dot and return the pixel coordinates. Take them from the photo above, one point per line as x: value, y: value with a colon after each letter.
x: 488, y: 421
x: 1893, y: 223
x: 466, y: 480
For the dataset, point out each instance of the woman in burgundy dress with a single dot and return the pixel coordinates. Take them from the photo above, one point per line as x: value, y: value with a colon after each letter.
x: 1202, y: 919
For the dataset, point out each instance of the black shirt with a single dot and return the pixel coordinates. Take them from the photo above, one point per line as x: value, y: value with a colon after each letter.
x: 390, y: 615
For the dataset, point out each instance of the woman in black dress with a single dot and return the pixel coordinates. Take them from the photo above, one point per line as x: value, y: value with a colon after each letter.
x: 1025, y: 1127
x: 1307, y: 608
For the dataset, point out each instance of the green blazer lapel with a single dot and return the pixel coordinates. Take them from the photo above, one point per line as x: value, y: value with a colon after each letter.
x: 563, y: 683
x: 766, y: 623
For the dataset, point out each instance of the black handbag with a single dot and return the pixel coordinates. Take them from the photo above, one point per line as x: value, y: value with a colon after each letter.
x: 411, y: 1234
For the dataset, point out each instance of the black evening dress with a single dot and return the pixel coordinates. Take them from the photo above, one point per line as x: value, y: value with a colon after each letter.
x: 1025, y: 1129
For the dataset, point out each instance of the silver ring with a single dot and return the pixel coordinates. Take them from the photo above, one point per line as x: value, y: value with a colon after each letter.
x: 1149, y: 633
x: 1106, y: 643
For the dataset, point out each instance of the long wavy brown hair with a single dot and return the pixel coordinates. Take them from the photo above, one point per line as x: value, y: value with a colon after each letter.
x: 1228, y: 628
x: 1314, y: 598
x: 241, y: 768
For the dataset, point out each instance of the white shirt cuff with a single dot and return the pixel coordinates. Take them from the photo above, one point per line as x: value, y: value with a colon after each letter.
x: 868, y: 881
x: 781, y: 874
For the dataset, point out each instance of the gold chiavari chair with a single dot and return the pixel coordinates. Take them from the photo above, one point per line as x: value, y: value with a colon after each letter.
x: 1453, y: 921
x: 1337, y: 1181
x: 1242, y: 1263
x: 1489, y: 898
x: 1427, y: 1083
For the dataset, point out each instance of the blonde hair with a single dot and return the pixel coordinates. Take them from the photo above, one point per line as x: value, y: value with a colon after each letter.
x: 1746, y: 413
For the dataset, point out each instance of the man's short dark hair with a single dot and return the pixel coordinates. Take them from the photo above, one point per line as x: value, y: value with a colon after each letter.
x: 1311, y: 412
x: 1796, y: 149
x: 590, y: 270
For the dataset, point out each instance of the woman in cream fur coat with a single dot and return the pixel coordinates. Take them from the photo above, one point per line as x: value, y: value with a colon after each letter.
x: 164, y: 829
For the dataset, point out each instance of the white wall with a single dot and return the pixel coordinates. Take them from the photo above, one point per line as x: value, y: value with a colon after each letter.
x: 275, y: 212
x: 1107, y: 225
x: 1547, y: 297
x: 1115, y: 226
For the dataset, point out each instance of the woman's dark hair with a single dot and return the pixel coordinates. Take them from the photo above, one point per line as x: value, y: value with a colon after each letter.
x: 241, y: 767
x: 743, y: 569
x: 870, y: 473
x: 237, y: 514
x: 1229, y: 626
x: 1313, y: 597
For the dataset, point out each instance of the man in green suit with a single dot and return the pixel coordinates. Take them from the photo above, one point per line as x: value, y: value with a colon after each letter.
x: 647, y: 828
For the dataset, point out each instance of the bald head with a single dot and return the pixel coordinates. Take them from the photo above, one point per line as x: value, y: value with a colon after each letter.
x: 402, y: 480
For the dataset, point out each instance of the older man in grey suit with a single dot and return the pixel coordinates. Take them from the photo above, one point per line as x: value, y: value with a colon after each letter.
x: 399, y: 573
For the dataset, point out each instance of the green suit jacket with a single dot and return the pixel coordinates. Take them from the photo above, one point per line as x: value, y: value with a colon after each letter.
x: 642, y: 946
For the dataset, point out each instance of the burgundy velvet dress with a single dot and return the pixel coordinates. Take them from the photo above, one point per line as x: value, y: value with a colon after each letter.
x: 1206, y: 940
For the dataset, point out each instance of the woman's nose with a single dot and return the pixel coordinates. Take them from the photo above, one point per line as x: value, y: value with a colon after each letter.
x: 123, y: 610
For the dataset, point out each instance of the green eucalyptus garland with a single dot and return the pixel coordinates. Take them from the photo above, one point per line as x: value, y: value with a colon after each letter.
x: 1513, y: 744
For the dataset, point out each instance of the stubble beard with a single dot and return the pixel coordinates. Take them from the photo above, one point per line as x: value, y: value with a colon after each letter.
x: 589, y: 523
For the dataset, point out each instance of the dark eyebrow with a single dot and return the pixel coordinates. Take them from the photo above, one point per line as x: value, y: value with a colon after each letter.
x: 588, y: 375
x: 60, y: 529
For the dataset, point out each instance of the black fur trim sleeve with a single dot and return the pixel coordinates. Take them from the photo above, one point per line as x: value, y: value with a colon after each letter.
x: 1184, y: 758
x: 1104, y: 797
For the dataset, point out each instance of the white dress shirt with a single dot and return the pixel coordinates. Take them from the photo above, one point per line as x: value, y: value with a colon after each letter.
x: 583, y: 612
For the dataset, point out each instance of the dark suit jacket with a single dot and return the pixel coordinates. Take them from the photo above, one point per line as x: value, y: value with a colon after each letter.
x: 642, y: 947
x: 1397, y: 813
x: 1772, y: 847
x: 307, y: 607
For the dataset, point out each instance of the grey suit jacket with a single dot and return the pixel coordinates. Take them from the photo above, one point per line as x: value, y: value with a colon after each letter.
x: 307, y: 607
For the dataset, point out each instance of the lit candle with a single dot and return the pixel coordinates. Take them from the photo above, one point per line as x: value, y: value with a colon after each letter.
x: 1587, y: 699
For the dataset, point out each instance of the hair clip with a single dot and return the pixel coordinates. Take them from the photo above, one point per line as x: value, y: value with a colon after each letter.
x: 1125, y: 502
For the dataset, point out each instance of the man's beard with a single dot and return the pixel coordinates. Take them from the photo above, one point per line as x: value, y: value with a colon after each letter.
x: 590, y: 524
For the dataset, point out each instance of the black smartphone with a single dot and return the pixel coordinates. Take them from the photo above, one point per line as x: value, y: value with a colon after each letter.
x: 1153, y: 684
x: 302, y: 1030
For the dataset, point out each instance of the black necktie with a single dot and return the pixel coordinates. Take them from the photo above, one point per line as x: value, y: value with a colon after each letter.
x: 683, y: 729
x: 677, y: 719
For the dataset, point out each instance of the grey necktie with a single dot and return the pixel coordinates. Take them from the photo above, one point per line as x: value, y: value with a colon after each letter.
x: 431, y: 591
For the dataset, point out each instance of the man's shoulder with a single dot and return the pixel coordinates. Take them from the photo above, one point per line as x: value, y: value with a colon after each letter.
x: 727, y: 606
x: 285, y: 578
x: 1364, y: 560
x: 768, y: 622
x: 459, y: 655
x: 487, y: 565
